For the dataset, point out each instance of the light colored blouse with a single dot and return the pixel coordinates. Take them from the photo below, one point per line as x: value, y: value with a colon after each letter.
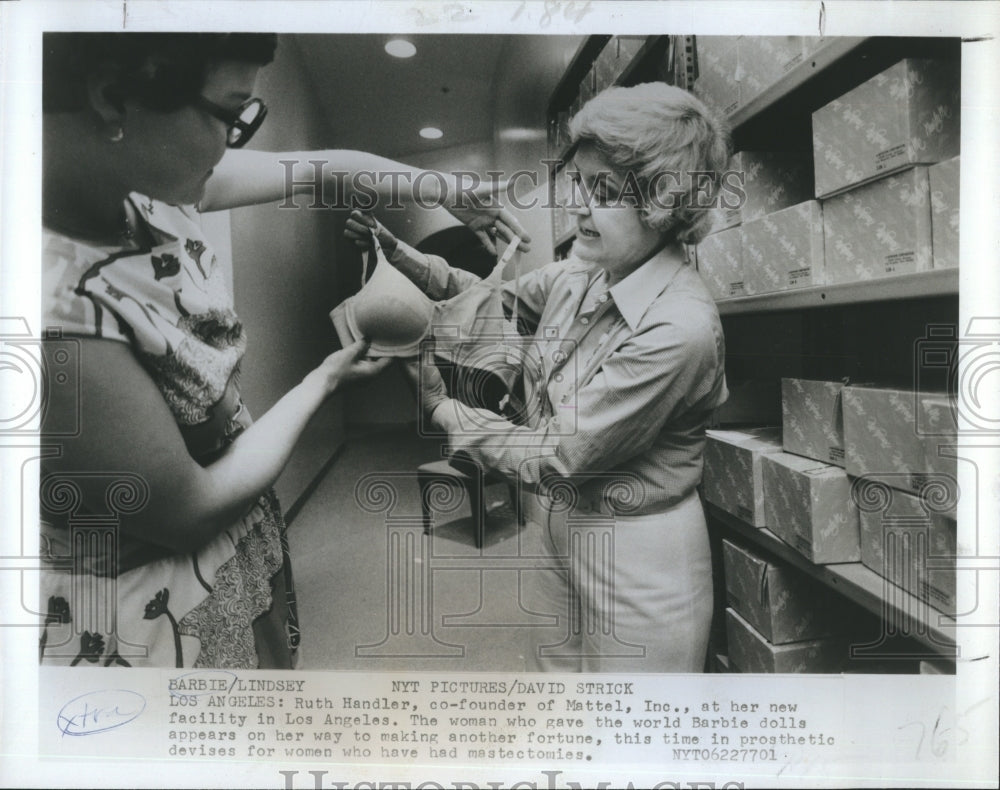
x: 620, y: 381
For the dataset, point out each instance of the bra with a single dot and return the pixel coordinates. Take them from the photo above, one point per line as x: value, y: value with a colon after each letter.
x: 395, y: 315
x: 389, y: 310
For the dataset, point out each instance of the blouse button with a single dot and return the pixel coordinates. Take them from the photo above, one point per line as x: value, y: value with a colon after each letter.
x: 602, y: 298
x: 584, y: 320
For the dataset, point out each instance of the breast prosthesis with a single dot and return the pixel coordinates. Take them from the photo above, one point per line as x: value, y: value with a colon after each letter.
x: 389, y: 310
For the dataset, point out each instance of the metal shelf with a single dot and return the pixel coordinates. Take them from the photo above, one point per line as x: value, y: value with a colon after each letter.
x: 857, y: 583
x: 937, y: 282
x: 820, y: 60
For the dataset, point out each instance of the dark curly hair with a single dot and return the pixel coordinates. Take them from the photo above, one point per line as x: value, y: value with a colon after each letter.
x: 161, y: 71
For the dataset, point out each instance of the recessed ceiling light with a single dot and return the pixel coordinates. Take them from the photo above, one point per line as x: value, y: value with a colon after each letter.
x: 521, y: 134
x: 431, y: 133
x: 400, y: 48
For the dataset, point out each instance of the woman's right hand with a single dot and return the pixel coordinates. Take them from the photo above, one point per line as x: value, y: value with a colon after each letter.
x: 348, y: 366
x: 359, y: 230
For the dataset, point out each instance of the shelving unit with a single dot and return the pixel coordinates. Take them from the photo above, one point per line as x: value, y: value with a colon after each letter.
x: 937, y: 282
x: 856, y: 583
x: 864, y: 330
x: 822, y: 59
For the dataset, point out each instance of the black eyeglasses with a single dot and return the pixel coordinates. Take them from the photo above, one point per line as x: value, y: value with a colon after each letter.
x: 242, y: 123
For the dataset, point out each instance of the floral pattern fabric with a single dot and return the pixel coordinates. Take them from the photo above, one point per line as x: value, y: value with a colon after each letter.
x: 121, y: 602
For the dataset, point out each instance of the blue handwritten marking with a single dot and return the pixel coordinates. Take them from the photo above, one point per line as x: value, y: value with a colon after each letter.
x: 202, y: 682
x: 99, y: 711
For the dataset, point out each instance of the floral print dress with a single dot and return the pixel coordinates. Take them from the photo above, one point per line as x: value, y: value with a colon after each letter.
x: 113, y: 599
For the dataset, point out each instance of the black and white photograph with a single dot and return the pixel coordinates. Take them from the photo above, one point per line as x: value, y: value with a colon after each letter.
x: 499, y: 394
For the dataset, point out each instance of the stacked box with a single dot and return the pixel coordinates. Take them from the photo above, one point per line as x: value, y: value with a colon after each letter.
x: 908, y: 541
x: 720, y: 263
x: 944, y: 186
x: 608, y: 66
x: 763, y: 60
x: 907, y: 115
x: 732, y: 470
x: 629, y: 46
x: 878, y: 230
x: 586, y: 89
x: 717, y: 84
x: 881, y: 439
x: 812, y: 423
x: 780, y: 602
x: 808, y: 505
x: 784, y: 250
x: 774, y: 180
x: 749, y: 651
x: 938, y: 431
x: 762, y: 182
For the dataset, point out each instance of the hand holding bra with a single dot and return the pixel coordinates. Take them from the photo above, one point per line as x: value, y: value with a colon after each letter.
x: 389, y: 310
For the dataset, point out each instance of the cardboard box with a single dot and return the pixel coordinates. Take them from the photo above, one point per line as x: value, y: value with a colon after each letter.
x: 881, y: 439
x: 763, y: 60
x: 782, y: 603
x: 717, y: 84
x: 783, y: 250
x: 732, y: 472
x: 720, y: 263
x: 944, y: 188
x: 774, y: 180
x: 812, y: 424
x: 808, y: 505
x: 907, y: 115
x: 749, y: 651
x: 879, y: 230
x: 938, y: 431
x: 608, y: 66
x: 906, y: 540
x: 587, y: 89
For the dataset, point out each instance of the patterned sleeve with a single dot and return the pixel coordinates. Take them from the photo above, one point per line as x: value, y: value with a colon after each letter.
x: 65, y: 304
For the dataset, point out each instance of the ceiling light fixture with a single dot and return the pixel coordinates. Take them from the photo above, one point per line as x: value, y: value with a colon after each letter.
x: 431, y: 133
x: 400, y: 48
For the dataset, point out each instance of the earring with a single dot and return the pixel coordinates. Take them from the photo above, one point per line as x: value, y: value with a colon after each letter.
x: 118, y: 135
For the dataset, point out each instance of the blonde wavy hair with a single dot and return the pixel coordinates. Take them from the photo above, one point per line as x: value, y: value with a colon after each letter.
x: 652, y: 131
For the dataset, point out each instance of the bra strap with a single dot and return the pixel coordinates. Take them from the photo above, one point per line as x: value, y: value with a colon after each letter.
x: 377, y: 248
x: 495, y: 277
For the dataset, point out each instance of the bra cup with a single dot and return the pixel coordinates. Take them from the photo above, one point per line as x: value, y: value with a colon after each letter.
x: 391, y: 312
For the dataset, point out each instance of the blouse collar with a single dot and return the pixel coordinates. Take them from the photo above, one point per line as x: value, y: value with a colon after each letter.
x: 635, y: 293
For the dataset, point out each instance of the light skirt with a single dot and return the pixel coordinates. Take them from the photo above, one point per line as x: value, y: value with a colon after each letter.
x: 630, y: 593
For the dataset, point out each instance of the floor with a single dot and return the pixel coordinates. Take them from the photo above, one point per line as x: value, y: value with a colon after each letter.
x: 375, y: 594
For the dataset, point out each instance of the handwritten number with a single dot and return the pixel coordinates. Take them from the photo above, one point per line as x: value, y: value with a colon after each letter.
x: 550, y: 7
x: 572, y: 13
x: 942, y: 738
x: 520, y: 8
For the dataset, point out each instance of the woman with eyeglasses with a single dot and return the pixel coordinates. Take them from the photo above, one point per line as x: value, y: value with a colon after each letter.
x: 141, y: 132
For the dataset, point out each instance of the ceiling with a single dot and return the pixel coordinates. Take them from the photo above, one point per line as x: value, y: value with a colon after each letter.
x: 375, y: 102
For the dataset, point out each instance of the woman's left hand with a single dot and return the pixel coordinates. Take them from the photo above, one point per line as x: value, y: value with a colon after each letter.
x: 348, y: 365
x: 481, y: 211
